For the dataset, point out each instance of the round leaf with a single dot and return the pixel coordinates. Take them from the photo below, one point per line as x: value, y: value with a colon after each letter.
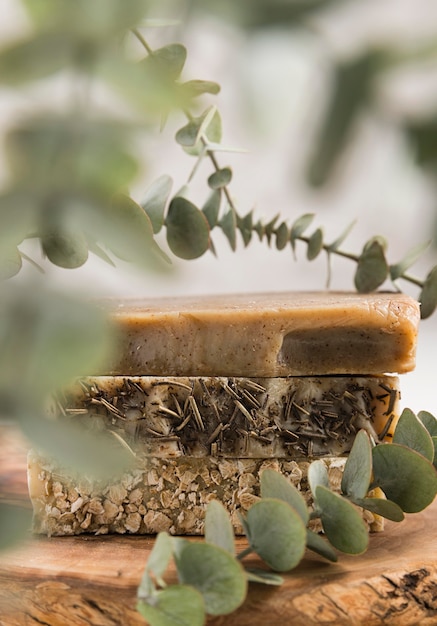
x: 372, y: 268
x: 412, y: 433
x: 358, y: 468
x: 218, y: 527
x: 275, y: 485
x: 255, y: 575
x: 341, y: 522
x: 15, y: 522
x: 429, y: 421
x: 380, y: 506
x: 282, y: 236
x: 428, y: 295
x: 405, y: 476
x: 155, y: 200
x: 217, y: 575
x: 220, y: 178
x: 65, y: 249
x: 160, y: 555
x: 315, y: 244
x: 317, y: 475
x: 187, y: 229
x: 178, y: 605
x: 276, y: 533
x: 317, y: 544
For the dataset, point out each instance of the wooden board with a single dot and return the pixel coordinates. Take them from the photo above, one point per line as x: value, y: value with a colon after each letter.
x: 92, y: 581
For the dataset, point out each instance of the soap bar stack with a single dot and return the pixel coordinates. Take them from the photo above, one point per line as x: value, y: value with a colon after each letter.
x: 208, y: 392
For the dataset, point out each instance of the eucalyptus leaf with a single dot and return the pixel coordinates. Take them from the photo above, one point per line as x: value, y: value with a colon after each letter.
x: 228, y: 224
x: 200, y: 131
x: 245, y: 226
x: 187, y: 229
x: 218, y: 527
x: 195, y: 88
x: 372, y: 268
x: 146, y: 589
x: 412, y: 433
x: 256, y: 575
x: 220, y: 178
x: 428, y: 294
x: 317, y: 475
x: 299, y: 227
x: 317, y: 544
x: 10, y: 262
x: 65, y: 248
x: 358, y: 468
x: 434, y: 441
x: 155, y: 201
x: 15, y: 524
x: 315, y: 244
x: 160, y: 555
x: 405, y: 476
x: 282, y: 236
x: 211, y: 208
x: 269, y: 228
x: 396, y: 271
x: 215, y: 573
x: 276, y: 533
x: 335, y: 245
x: 275, y: 485
x: 382, y: 507
x: 176, y: 605
x: 429, y: 421
x: 169, y: 59
x: 342, y: 523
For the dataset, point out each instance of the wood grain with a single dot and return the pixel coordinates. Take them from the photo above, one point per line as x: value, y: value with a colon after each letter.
x: 92, y: 581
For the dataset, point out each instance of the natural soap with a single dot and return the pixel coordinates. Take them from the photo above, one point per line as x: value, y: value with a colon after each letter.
x: 270, y: 334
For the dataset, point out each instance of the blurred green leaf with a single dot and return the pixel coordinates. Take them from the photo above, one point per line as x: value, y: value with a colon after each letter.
x: 276, y: 533
x: 10, y: 262
x: 422, y: 135
x: 428, y: 294
x: 282, y: 236
x: 410, y: 258
x: 218, y: 527
x: 372, y: 268
x: 315, y: 244
x: 220, y: 178
x: 351, y: 90
x: 255, y: 575
x: 200, y: 131
x: 385, y: 508
x: 429, y: 421
x: 195, y: 88
x: 299, y: 227
x: 176, y: 605
x: 358, y: 468
x: 155, y: 201
x: 160, y: 556
x: 65, y: 248
x: 405, y: 476
x: 214, y: 572
x: 342, y: 523
x: 245, y: 226
x: 211, y: 208
x: 335, y: 245
x: 275, y: 485
x: 317, y: 475
x: 269, y: 228
x: 412, y: 433
x: 317, y: 544
x: 187, y: 229
x: 168, y: 61
x: 228, y: 224
x: 15, y: 524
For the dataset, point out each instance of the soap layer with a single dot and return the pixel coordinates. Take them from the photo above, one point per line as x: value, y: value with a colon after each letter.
x: 277, y: 334
x: 292, y: 417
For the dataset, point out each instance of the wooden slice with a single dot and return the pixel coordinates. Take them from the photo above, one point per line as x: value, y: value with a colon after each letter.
x: 92, y: 581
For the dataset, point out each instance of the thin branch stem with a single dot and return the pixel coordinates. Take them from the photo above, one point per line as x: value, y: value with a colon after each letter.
x: 244, y: 553
x: 141, y: 39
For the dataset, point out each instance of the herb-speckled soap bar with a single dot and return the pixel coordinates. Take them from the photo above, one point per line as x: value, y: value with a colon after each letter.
x: 270, y: 334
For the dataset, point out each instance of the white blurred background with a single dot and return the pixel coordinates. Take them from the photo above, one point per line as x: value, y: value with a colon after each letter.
x: 274, y: 87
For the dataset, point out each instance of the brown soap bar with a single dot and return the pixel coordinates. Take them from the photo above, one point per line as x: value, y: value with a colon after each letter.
x: 160, y: 495
x: 270, y: 334
x: 294, y: 417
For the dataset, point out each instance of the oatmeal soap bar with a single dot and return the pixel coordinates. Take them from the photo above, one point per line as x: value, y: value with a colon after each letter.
x: 270, y: 334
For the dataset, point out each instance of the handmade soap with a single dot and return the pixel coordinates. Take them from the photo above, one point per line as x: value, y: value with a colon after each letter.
x: 160, y: 495
x: 294, y: 418
x: 270, y: 334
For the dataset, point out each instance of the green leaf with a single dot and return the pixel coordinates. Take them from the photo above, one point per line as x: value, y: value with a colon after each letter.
x: 160, y: 555
x: 315, y: 244
x: 396, y: 271
x: 220, y: 178
x: 299, y: 227
x: 358, y: 468
x: 269, y: 228
x: 199, y: 131
x: 275, y: 485
x: 341, y: 522
x: 176, y: 605
x: 351, y: 87
x: 211, y: 208
x: 429, y: 421
x: 228, y: 224
x: 405, y: 476
x: 65, y: 247
x: 335, y: 245
x: 256, y: 575
x: 276, y: 533
x: 169, y: 59
x: 15, y: 524
x: 187, y: 229
x: 282, y: 236
x: 434, y: 441
x: 412, y: 433
x: 195, y: 88
x: 317, y: 475
x: 428, y: 294
x: 35, y: 58
x: 382, y: 507
x: 218, y: 527
x: 155, y: 201
x: 245, y: 226
x: 218, y: 576
x: 317, y: 544
x: 372, y: 268
x: 10, y: 262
